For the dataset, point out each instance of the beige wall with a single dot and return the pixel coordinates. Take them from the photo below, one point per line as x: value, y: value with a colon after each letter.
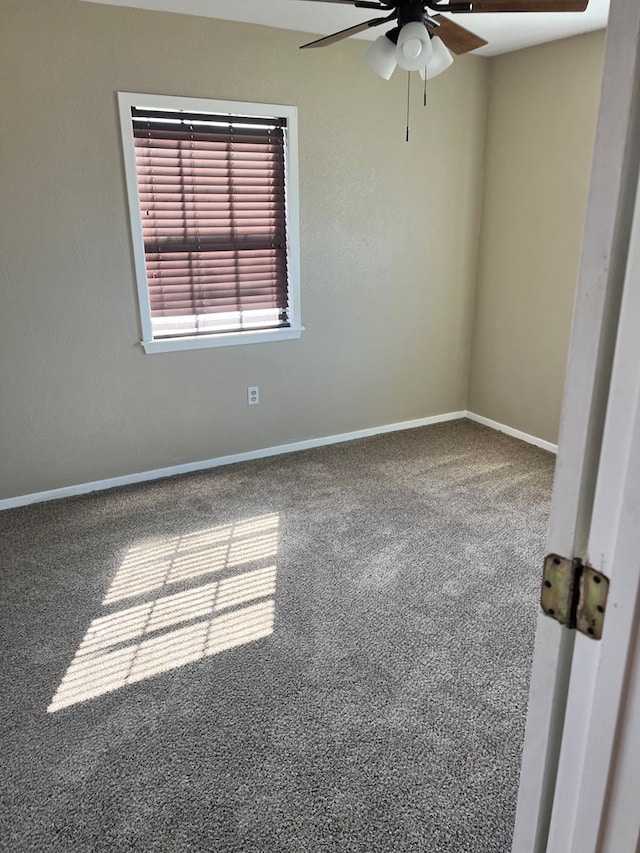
x: 389, y: 243
x: 389, y: 235
x: 542, y: 118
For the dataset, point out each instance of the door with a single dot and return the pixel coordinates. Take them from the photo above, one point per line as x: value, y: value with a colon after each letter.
x: 593, y: 810
x: 569, y: 770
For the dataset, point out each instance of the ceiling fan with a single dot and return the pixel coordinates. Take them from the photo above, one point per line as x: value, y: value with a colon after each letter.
x: 422, y: 39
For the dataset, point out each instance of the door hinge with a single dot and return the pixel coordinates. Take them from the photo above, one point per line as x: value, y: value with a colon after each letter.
x: 574, y: 594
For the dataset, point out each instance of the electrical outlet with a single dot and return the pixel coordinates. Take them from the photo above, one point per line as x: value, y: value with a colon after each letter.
x: 253, y: 395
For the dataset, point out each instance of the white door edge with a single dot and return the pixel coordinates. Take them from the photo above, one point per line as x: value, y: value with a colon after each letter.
x: 602, y: 672
x: 596, y: 314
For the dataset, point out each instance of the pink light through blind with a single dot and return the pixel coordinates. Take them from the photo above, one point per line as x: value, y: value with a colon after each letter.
x: 212, y: 205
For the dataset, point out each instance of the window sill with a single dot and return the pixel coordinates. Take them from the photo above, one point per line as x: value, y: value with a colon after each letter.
x: 222, y: 340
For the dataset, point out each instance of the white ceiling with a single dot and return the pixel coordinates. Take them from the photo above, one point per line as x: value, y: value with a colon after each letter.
x: 504, y: 32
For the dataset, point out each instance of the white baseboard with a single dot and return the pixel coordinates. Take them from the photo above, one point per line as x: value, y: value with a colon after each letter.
x: 307, y: 444
x: 187, y: 468
x: 515, y: 433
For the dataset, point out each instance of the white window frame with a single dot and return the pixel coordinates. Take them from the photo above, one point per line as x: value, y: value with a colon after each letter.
x: 235, y: 109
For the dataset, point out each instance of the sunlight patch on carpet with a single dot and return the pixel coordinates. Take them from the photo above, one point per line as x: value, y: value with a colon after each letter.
x: 167, y: 631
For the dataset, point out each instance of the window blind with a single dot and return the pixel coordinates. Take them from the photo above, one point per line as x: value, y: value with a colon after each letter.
x: 212, y: 205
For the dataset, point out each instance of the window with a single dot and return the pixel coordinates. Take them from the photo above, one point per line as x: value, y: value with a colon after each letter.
x: 212, y: 189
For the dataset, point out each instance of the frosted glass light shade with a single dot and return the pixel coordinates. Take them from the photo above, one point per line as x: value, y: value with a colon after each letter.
x: 413, y: 50
x: 439, y: 62
x: 380, y: 56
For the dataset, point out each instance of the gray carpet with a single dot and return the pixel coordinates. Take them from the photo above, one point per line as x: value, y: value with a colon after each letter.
x: 325, y: 651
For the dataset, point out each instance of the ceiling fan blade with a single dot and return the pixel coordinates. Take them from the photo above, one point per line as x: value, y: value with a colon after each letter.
x: 529, y: 5
x: 456, y: 37
x: 360, y: 4
x: 344, y: 34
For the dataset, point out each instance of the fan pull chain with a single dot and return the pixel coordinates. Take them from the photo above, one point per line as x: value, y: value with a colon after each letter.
x: 425, y: 87
x: 408, y: 102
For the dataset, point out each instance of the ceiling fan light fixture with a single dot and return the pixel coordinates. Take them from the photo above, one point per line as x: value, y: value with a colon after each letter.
x: 413, y: 50
x: 439, y: 62
x: 380, y: 56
